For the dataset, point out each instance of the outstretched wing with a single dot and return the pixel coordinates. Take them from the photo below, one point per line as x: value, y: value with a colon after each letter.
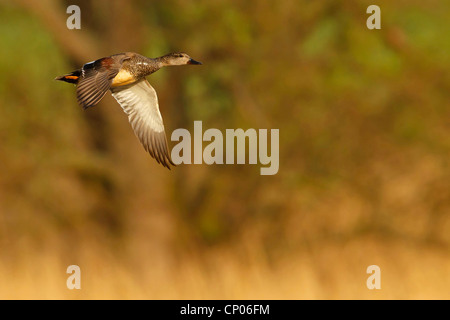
x: 140, y: 103
x: 95, y: 80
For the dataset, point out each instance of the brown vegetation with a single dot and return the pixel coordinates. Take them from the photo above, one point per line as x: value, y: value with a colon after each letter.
x: 364, y: 153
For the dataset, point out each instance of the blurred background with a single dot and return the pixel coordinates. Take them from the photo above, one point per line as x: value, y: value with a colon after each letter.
x: 364, y: 153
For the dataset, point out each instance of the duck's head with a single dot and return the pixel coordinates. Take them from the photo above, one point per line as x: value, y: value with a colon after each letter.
x: 177, y: 59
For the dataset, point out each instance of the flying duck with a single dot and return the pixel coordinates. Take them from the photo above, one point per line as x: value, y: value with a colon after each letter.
x: 124, y: 74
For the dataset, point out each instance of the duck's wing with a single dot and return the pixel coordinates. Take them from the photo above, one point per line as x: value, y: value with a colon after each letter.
x: 140, y: 103
x: 95, y: 79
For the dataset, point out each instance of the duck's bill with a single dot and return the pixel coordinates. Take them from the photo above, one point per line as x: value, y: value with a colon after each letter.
x: 192, y: 61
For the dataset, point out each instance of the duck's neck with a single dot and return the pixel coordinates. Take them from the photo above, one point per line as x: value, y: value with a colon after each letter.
x: 164, y: 61
x: 144, y: 66
x: 161, y: 61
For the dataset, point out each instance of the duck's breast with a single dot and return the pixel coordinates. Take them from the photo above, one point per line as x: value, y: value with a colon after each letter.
x: 123, y: 78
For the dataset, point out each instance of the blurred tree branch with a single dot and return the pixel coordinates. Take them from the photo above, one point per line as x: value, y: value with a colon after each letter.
x: 53, y: 16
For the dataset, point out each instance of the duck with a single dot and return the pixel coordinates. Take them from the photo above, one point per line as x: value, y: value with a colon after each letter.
x: 124, y: 75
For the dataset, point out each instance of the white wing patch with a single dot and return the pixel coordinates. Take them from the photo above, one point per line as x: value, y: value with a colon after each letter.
x: 140, y: 103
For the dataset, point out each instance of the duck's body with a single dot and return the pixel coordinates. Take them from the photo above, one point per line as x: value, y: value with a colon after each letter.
x: 134, y: 67
x: 124, y: 74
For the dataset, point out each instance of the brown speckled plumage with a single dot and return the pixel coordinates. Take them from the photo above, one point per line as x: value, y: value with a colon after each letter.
x: 124, y: 75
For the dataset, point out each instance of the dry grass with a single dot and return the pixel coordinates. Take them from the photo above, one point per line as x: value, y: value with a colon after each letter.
x: 328, y: 271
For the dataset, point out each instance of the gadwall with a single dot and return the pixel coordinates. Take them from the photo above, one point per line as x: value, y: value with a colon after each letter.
x: 124, y: 74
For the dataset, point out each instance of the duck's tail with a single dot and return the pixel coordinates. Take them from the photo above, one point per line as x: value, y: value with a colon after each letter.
x: 71, y: 77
